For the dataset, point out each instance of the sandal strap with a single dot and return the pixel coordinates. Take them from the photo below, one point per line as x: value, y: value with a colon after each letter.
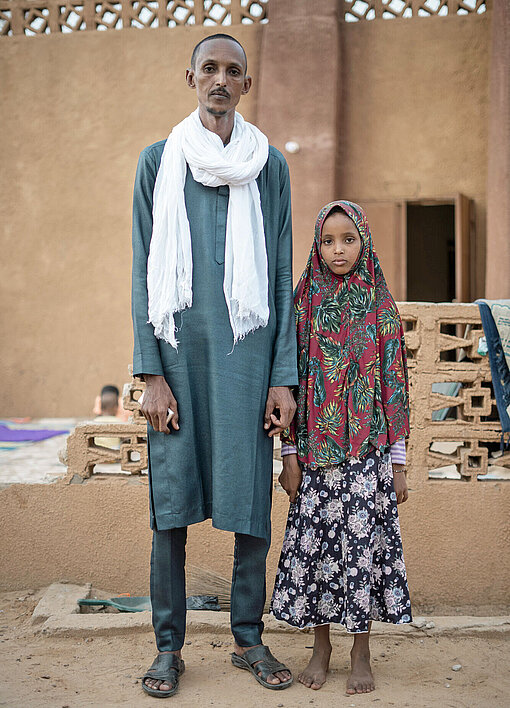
x: 268, y: 664
x: 165, y: 666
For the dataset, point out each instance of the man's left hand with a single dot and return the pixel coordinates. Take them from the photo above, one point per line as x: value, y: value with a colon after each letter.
x: 280, y: 409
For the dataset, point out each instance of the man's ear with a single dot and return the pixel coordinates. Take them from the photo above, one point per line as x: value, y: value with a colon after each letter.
x: 190, y: 78
x: 247, y: 84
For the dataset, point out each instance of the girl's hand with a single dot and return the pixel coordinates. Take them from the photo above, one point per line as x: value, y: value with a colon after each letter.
x: 400, y: 483
x: 291, y: 476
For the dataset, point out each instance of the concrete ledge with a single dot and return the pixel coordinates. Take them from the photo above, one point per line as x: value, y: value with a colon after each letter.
x: 96, y: 624
x: 218, y: 622
x: 60, y: 599
x: 58, y: 614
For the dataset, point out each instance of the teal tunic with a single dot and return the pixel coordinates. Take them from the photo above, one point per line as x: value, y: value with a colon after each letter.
x: 219, y: 464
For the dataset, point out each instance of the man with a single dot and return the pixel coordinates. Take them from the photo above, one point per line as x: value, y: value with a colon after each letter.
x: 109, y: 408
x: 215, y: 344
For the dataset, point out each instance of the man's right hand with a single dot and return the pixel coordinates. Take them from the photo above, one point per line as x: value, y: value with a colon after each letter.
x: 157, y: 399
x: 291, y: 476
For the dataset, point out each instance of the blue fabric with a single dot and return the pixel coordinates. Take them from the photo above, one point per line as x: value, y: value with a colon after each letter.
x: 499, y: 367
x: 23, y: 435
x: 219, y: 464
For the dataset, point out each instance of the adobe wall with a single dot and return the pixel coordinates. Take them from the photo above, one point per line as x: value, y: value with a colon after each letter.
x: 498, y: 180
x: 99, y: 532
x: 414, y: 113
x: 409, y: 102
x: 76, y: 111
x: 300, y: 71
x: 96, y: 528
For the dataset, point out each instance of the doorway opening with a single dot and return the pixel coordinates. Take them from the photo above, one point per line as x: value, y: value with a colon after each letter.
x: 425, y: 246
x: 430, y: 252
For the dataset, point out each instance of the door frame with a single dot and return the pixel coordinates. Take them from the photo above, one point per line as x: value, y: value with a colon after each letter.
x: 464, y: 239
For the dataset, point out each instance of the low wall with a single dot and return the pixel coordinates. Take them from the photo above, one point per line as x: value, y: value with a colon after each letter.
x: 99, y: 532
x: 92, y: 528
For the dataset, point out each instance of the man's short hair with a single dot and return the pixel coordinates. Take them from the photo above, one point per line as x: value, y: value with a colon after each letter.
x: 110, y: 389
x: 217, y: 36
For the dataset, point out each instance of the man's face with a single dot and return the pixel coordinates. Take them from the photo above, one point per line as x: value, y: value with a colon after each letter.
x: 219, y: 76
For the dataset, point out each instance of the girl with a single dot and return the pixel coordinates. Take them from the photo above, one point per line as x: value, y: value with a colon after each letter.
x: 344, y: 453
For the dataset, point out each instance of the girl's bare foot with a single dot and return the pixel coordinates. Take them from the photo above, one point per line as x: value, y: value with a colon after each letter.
x: 361, y: 679
x: 314, y: 676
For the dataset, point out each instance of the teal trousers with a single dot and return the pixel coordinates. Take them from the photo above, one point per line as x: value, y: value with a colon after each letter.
x: 168, y: 588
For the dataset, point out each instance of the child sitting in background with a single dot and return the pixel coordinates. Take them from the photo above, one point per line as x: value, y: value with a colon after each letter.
x: 108, y: 413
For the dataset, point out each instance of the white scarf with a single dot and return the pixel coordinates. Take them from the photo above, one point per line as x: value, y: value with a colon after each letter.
x: 170, y: 263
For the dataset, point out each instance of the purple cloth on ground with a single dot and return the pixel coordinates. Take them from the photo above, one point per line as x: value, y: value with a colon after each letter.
x: 22, y: 435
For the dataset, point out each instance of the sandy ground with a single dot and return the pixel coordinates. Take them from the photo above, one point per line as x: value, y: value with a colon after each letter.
x: 50, y: 672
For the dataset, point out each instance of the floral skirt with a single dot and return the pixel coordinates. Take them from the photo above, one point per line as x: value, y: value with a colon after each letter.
x: 342, y: 559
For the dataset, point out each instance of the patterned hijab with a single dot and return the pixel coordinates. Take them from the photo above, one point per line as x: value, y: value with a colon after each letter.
x: 353, y: 387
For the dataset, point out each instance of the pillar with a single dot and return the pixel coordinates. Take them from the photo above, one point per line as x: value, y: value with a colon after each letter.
x: 498, y: 181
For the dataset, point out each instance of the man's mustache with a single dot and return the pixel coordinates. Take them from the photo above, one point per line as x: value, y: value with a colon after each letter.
x: 220, y: 92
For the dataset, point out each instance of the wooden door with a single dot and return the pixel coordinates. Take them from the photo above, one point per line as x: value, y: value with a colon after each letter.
x: 388, y: 223
x: 464, y: 251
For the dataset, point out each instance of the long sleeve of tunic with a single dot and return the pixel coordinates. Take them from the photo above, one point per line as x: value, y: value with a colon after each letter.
x: 284, y: 350
x: 146, y: 356
x: 219, y: 464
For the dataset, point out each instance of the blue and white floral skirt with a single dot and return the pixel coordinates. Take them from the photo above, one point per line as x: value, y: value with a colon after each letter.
x: 342, y: 559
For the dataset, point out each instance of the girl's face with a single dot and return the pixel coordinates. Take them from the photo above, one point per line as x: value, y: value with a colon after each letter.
x: 340, y: 243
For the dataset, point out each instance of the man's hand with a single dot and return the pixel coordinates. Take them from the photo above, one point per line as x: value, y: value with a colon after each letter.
x: 281, y: 401
x: 157, y: 399
x: 291, y: 476
x: 400, y: 483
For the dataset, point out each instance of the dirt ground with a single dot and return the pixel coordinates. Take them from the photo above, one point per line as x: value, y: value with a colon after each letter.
x: 50, y: 672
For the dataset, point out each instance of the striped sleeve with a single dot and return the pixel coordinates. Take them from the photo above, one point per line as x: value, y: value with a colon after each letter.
x: 398, y: 452
x: 288, y: 450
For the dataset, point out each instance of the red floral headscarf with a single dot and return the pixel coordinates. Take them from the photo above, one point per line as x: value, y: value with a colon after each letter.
x: 353, y: 388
